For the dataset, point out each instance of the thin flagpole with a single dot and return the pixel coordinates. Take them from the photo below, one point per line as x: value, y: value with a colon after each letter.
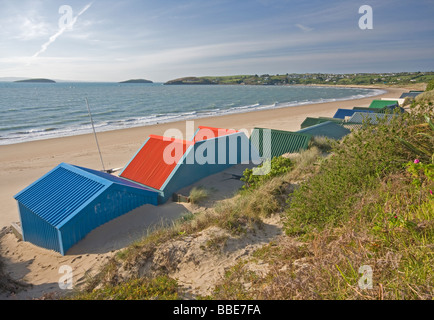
x: 94, y: 132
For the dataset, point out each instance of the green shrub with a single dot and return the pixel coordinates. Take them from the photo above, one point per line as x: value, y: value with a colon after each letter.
x: 278, y: 166
x: 356, y: 166
x: 427, y: 96
x: 430, y: 86
x: 198, y: 194
x: 159, y: 288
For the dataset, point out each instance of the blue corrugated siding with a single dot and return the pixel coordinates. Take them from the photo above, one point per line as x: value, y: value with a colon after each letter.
x: 38, y: 231
x: 342, y: 113
x: 410, y: 94
x: 55, y: 197
x: 109, y: 205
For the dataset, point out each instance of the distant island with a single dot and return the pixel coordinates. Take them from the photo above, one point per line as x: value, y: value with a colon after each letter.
x: 310, y: 79
x: 39, y: 80
x: 137, y: 81
x: 192, y: 80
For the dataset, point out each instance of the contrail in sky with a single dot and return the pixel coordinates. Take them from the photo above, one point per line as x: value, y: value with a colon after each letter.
x: 60, y: 32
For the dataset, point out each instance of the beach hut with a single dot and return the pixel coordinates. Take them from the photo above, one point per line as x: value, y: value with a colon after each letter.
x: 386, y: 109
x: 400, y: 101
x: 204, y: 132
x: 327, y: 129
x: 60, y: 208
x: 411, y: 94
x: 392, y: 109
x: 274, y: 143
x: 378, y: 104
x: 342, y: 113
x: 309, y: 121
x: 167, y: 165
x: 365, y: 108
x: 371, y: 118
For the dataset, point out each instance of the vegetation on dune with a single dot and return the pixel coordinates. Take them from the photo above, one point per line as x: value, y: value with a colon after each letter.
x: 198, y: 194
x: 430, y: 86
x: 425, y: 97
x: 159, y: 288
x: 363, y: 202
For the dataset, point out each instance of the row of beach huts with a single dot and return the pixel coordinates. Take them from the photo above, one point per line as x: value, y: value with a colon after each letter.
x: 63, y: 206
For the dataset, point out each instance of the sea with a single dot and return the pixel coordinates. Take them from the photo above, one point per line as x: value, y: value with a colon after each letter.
x: 35, y: 111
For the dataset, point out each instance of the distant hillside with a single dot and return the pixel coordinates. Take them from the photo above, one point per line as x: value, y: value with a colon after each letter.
x: 400, y: 78
x: 39, y: 80
x: 137, y: 81
x: 191, y: 80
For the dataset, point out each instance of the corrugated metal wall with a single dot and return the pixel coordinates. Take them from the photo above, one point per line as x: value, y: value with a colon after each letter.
x: 411, y: 94
x: 327, y: 129
x: 309, y: 121
x: 274, y: 143
x: 38, y: 231
x: 149, y: 166
x: 372, y: 118
x: 342, y: 113
x: 208, y: 157
x: 110, y: 204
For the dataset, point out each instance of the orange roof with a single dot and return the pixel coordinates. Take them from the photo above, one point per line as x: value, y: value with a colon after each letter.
x: 156, y: 160
x: 209, y: 132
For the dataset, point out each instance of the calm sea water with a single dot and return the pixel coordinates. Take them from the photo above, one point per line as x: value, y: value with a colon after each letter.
x: 34, y: 111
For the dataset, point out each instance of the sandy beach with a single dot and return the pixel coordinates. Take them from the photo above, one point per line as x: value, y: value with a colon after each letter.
x: 21, y: 164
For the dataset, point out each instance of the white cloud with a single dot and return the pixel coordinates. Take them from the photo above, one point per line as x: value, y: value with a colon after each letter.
x: 31, y: 28
x: 303, y: 28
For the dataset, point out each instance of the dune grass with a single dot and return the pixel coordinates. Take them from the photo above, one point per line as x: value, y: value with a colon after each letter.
x: 198, y: 194
x: 427, y: 97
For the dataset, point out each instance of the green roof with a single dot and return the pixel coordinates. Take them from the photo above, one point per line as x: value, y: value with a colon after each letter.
x: 309, y: 121
x: 274, y: 143
x: 382, y: 103
x: 327, y: 129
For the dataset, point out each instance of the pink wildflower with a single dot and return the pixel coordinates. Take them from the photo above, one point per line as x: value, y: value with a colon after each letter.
x: 430, y: 192
x: 416, y: 161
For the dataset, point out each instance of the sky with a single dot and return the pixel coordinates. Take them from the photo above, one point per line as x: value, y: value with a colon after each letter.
x: 107, y: 40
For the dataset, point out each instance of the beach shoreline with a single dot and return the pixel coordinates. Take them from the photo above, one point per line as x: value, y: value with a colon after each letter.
x: 23, y: 163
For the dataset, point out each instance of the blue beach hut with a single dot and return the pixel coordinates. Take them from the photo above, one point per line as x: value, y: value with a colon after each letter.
x: 60, y: 208
x: 342, y: 113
